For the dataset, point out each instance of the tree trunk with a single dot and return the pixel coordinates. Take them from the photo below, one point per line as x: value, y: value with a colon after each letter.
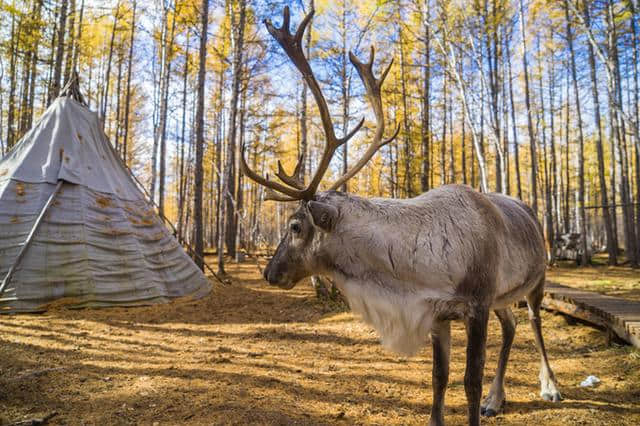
x: 408, y: 154
x: 426, y: 100
x: 505, y: 115
x: 127, y: 103
x: 15, y: 35
x: 541, y: 120
x: 443, y: 145
x: 220, y: 136
x: 161, y: 131
x: 303, y: 111
x: 548, y: 211
x: 452, y: 160
x: 30, y: 68
x: 491, y: 44
x: 636, y: 113
x: 344, y: 91
x: 481, y: 138
x: 612, y: 249
x: 553, y: 199
x: 567, y: 183
x: 51, y: 61
x: 230, y: 157
x: 76, y: 50
x: 514, y: 127
x: 34, y: 73
x: 583, y: 218
x: 240, y: 201
x: 463, y: 149
x: 181, y: 163
x: 615, y: 96
x: 72, y: 41
x: 107, y: 76
x: 118, y: 97
x: 532, y: 140
x: 197, y: 199
x: 26, y: 77
x: 57, y: 71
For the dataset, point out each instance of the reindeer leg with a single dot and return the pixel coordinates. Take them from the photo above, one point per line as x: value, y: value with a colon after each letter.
x: 494, y: 402
x: 548, y: 388
x: 476, y: 326
x: 441, y: 342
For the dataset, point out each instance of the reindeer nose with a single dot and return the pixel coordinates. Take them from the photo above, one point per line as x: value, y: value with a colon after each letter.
x: 272, y: 277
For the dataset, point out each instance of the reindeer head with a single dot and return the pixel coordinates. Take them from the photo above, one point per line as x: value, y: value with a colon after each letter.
x: 299, y: 253
x: 302, y: 250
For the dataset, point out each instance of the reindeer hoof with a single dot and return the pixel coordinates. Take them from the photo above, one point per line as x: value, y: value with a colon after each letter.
x: 490, y: 407
x: 553, y: 396
x: 488, y: 412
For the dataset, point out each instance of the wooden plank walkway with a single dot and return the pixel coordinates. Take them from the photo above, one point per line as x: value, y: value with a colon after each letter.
x: 616, y: 315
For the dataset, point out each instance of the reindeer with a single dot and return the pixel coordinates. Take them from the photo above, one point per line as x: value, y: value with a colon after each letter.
x: 409, y: 267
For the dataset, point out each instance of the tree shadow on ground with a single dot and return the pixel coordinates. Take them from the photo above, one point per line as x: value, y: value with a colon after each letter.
x: 249, y: 353
x: 186, y: 394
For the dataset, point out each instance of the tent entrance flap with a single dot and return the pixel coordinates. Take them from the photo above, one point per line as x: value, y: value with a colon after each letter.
x: 27, y: 242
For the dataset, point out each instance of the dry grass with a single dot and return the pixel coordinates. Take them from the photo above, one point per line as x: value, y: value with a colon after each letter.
x: 249, y: 353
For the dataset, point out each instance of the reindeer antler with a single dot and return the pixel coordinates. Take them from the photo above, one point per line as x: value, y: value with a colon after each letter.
x: 373, y: 87
x: 293, y: 188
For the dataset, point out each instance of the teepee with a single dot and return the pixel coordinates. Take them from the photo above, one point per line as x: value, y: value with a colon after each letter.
x: 73, y: 223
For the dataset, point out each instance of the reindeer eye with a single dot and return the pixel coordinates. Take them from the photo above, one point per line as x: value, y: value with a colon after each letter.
x: 295, y: 228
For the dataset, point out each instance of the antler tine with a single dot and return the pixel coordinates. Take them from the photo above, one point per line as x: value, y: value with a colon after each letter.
x: 283, y: 31
x: 353, y: 131
x: 372, y: 56
x: 291, y: 192
x: 294, y: 180
x: 392, y: 137
x: 380, y: 81
x: 271, y: 195
x: 373, y: 87
x: 303, y: 26
x: 285, y: 20
x: 368, y: 69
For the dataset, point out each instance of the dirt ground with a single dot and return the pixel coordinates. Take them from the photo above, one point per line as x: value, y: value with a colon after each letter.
x: 249, y: 353
x: 619, y: 281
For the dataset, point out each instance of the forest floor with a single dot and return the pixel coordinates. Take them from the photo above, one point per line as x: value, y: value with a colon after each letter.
x: 619, y: 281
x: 253, y: 354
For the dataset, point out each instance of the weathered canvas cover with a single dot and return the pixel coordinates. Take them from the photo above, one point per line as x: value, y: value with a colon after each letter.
x: 101, y: 242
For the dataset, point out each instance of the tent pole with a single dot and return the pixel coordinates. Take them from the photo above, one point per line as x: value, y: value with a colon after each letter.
x: 27, y: 242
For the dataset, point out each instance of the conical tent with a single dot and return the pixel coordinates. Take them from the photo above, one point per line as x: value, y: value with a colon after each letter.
x: 73, y: 223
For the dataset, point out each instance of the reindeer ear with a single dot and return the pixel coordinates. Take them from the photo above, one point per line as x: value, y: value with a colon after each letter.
x: 324, y: 215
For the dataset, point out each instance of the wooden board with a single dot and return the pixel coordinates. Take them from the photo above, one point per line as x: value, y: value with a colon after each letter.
x: 618, y: 316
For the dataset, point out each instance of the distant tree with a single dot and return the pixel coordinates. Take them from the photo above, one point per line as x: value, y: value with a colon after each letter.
x: 229, y: 174
x: 57, y: 70
x: 197, y: 200
x: 527, y: 97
